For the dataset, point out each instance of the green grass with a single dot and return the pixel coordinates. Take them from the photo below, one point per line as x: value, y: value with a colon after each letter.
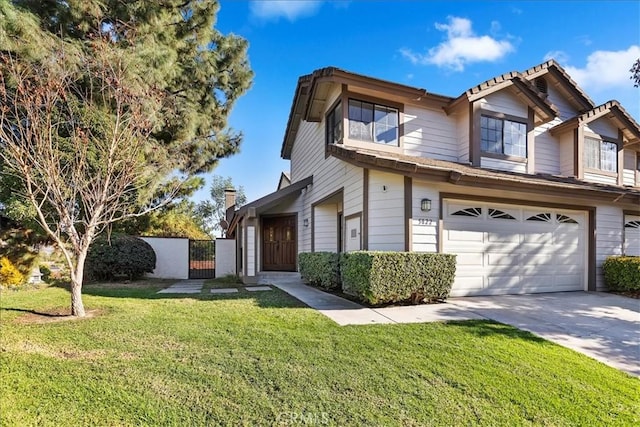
x: 264, y: 359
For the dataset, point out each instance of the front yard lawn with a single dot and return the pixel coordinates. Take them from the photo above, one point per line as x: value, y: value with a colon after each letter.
x: 262, y: 358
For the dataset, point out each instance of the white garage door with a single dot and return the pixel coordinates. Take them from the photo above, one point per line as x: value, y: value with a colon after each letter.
x: 632, y: 235
x: 509, y: 249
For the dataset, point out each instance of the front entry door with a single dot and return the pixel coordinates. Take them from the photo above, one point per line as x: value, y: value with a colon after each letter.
x: 279, y: 243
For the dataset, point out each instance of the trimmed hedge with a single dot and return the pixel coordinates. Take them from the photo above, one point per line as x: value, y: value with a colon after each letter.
x: 321, y: 269
x: 622, y: 273
x: 122, y: 255
x: 387, y: 277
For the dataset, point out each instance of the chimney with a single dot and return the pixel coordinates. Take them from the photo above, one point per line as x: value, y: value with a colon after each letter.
x: 229, y: 198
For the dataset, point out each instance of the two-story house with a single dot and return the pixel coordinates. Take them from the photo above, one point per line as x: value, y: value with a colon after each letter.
x: 523, y: 177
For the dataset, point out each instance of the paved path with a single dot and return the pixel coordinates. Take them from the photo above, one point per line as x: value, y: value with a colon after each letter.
x: 345, y: 312
x: 184, y: 287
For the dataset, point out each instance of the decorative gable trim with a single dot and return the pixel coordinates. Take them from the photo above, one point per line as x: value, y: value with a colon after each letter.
x: 611, y: 110
x: 577, y: 95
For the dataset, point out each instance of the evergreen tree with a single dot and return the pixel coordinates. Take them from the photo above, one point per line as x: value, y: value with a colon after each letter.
x: 109, y: 108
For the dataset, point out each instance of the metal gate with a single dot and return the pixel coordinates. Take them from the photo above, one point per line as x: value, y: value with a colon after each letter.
x: 202, y: 259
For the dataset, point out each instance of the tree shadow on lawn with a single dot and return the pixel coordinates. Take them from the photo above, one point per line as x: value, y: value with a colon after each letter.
x: 486, y: 328
x: 275, y: 298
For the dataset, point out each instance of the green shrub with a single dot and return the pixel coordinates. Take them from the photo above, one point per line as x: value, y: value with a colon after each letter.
x: 122, y: 255
x: 321, y: 269
x: 386, y: 277
x: 622, y: 273
x: 9, y: 273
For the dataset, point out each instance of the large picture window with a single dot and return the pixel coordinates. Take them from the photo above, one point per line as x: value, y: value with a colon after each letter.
x: 373, y: 123
x: 602, y: 155
x: 501, y: 136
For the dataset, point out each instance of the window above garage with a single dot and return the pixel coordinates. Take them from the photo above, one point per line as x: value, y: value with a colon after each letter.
x: 600, y: 155
x: 503, y: 136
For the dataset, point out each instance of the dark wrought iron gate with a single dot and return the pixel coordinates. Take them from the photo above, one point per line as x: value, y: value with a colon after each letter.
x: 202, y: 259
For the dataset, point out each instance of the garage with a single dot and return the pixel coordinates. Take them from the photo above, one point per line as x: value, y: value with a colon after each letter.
x: 632, y: 235
x: 513, y: 249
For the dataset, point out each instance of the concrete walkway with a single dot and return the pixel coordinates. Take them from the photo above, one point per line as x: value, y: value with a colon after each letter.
x: 345, y: 312
x: 184, y: 287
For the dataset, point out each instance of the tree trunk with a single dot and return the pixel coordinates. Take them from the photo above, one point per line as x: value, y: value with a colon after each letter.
x: 77, y: 306
x: 77, y: 276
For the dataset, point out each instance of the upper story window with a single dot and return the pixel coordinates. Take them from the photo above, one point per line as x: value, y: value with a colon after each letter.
x: 373, y: 123
x: 602, y: 155
x: 334, y: 125
x: 501, y: 136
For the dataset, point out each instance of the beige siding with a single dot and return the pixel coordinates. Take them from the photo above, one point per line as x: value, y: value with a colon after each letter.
x: 547, y: 149
x: 424, y: 225
x: 600, y: 179
x: 325, y: 228
x: 505, y: 165
x: 504, y: 102
x: 462, y: 135
x: 567, y: 164
x: 429, y: 133
x: 629, y: 168
x: 386, y: 211
x: 609, y: 235
x: 329, y: 174
x: 251, y: 251
x: 566, y: 111
x: 602, y: 127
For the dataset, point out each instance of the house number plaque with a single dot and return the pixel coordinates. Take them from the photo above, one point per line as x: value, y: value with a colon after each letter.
x: 425, y: 221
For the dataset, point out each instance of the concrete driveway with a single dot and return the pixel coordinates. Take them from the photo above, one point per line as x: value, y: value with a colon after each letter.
x: 603, y: 326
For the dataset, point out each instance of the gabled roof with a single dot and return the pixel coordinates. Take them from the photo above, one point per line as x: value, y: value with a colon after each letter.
x: 284, y: 181
x: 559, y: 73
x: 611, y: 110
x: 520, y: 86
x: 312, y: 90
x: 267, y: 202
x: 456, y: 173
x: 534, y: 97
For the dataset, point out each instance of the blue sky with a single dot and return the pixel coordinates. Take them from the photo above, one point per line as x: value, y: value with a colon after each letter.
x: 443, y: 47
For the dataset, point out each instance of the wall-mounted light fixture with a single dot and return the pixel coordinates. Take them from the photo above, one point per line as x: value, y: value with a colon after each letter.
x: 305, y: 222
x: 425, y: 205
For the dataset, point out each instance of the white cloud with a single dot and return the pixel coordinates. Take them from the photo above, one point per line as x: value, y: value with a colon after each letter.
x: 606, y: 69
x: 560, y: 56
x: 288, y: 9
x: 461, y: 47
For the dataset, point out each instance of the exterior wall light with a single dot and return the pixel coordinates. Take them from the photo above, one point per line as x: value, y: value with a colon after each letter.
x: 425, y: 205
x: 306, y: 222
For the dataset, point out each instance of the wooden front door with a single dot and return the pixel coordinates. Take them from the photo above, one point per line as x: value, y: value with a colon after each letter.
x: 279, y: 243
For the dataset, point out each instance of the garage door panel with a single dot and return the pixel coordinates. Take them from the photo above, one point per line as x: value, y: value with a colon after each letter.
x: 568, y: 279
x: 503, y: 281
x: 509, y: 259
x: 632, y: 235
x: 465, y: 236
x: 535, y: 250
x: 503, y: 238
x: 540, y: 238
x: 470, y: 259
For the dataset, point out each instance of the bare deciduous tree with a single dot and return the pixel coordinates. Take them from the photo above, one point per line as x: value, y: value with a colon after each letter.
x: 74, y: 130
